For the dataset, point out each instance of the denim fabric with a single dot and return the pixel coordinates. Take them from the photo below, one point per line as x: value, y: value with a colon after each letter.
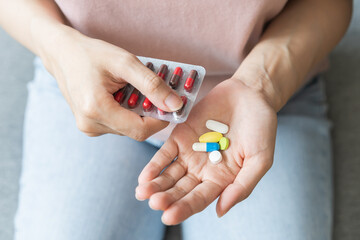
x: 74, y: 187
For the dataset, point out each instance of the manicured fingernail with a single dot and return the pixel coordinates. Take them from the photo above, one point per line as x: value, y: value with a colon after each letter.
x: 220, y: 215
x: 137, y: 195
x: 174, y: 102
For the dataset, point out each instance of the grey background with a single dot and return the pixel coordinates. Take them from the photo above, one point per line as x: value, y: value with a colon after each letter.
x: 343, y: 90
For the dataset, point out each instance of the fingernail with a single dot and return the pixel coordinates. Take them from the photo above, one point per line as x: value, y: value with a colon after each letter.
x: 137, y: 195
x: 173, y: 102
x: 221, y: 214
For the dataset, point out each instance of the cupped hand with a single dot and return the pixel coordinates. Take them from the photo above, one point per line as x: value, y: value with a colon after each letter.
x: 90, y: 71
x: 189, y: 184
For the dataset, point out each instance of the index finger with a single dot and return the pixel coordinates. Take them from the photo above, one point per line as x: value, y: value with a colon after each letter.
x: 127, y: 122
x: 148, y: 83
x: 162, y: 158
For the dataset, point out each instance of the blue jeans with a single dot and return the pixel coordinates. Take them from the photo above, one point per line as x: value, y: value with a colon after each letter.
x: 74, y: 187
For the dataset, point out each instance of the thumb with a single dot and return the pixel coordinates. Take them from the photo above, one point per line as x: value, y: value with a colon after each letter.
x: 151, y: 85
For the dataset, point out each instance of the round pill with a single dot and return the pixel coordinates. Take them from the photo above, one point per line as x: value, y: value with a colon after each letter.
x: 224, y: 143
x: 215, y: 157
x: 217, y: 126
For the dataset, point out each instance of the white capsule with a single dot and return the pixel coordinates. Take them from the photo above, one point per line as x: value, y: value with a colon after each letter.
x: 217, y: 126
x: 199, y: 147
x: 205, y: 147
x: 215, y: 157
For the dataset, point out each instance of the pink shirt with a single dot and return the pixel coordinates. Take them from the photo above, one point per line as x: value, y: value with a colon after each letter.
x: 216, y: 34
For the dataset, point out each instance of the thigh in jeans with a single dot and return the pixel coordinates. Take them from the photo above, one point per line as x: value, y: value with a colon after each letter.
x: 74, y: 187
x: 294, y: 199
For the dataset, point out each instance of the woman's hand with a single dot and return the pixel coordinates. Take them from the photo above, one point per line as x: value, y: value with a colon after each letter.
x: 191, y: 182
x: 90, y: 71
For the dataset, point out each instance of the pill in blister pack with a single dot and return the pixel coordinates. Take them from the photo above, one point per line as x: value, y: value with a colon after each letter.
x: 185, y: 79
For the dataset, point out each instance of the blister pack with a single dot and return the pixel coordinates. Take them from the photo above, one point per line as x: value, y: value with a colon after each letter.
x: 185, y: 79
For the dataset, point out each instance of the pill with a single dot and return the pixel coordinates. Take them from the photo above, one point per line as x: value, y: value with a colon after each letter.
x: 135, y: 95
x: 205, y: 147
x: 179, y: 112
x: 149, y: 65
x: 161, y: 112
x: 175, y: 78
x: 163, y: 71
x: 147, y: 104
x: 189, y: 83
x: 217, y: 126
x: 215, y: 157
x: 133, y: 99
x: 120, y: 95
x: 224, y: 143
x: 210, y: 137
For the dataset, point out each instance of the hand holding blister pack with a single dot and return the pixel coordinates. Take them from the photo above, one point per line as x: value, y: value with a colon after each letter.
x: 185, y: 79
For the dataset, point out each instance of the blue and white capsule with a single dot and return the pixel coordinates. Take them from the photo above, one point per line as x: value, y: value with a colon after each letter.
x: 205, y: 147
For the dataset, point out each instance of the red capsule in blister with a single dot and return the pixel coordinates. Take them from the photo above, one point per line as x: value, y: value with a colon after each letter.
x: 161, y: 112
x: 120, y: 95
x: 147, y: 104
x: 181, y: 110
x: 149, y: 65
x: 189, y: 83
x: 175, y: 78
x: 133, y: 99
x: 163, y: 71
x: 135, y: 95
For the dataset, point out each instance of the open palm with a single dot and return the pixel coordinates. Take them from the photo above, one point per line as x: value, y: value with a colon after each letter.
x: 191, y: 182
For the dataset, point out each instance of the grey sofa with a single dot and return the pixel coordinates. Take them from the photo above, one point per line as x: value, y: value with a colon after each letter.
x: 343, y: 90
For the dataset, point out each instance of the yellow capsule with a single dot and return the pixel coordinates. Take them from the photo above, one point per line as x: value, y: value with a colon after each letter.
x: 210, y: 137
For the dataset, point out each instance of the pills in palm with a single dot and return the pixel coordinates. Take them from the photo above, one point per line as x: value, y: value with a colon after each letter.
x: 213, y: 141
x: 217, y: 126
x: 215, y: 157
x: 184, y: 79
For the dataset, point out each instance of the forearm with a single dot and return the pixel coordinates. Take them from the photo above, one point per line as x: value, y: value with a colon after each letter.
x: 293, y: 44
x: 37, y: 24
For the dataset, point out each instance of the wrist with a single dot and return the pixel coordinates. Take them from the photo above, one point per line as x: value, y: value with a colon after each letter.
x: 258, y: 80
x: 51, y: 40
x: 269, y: 70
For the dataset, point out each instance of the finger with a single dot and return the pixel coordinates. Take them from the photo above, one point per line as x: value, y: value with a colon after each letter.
x: 128, y: 123
x: 162, y: 158
x: 195, y: 201
x: 254, y: 169
x: 162, y: 200
x: 166, y: 180
x: 148, y: 82
x: 92, y: 128
x: 99, y: 130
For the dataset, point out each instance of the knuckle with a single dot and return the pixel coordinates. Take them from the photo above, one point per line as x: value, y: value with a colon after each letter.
x: 83, y: 125
x: 267, y: 165
x: 152, y: 83
x: 88, y: 110
x: 92, y: 134
x: 129, y: 58
x: 138, y: 135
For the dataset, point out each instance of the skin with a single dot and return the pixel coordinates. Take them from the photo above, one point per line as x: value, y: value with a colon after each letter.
x: 292, y: 45
x: 105, y: 68
x: 300, y: 37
